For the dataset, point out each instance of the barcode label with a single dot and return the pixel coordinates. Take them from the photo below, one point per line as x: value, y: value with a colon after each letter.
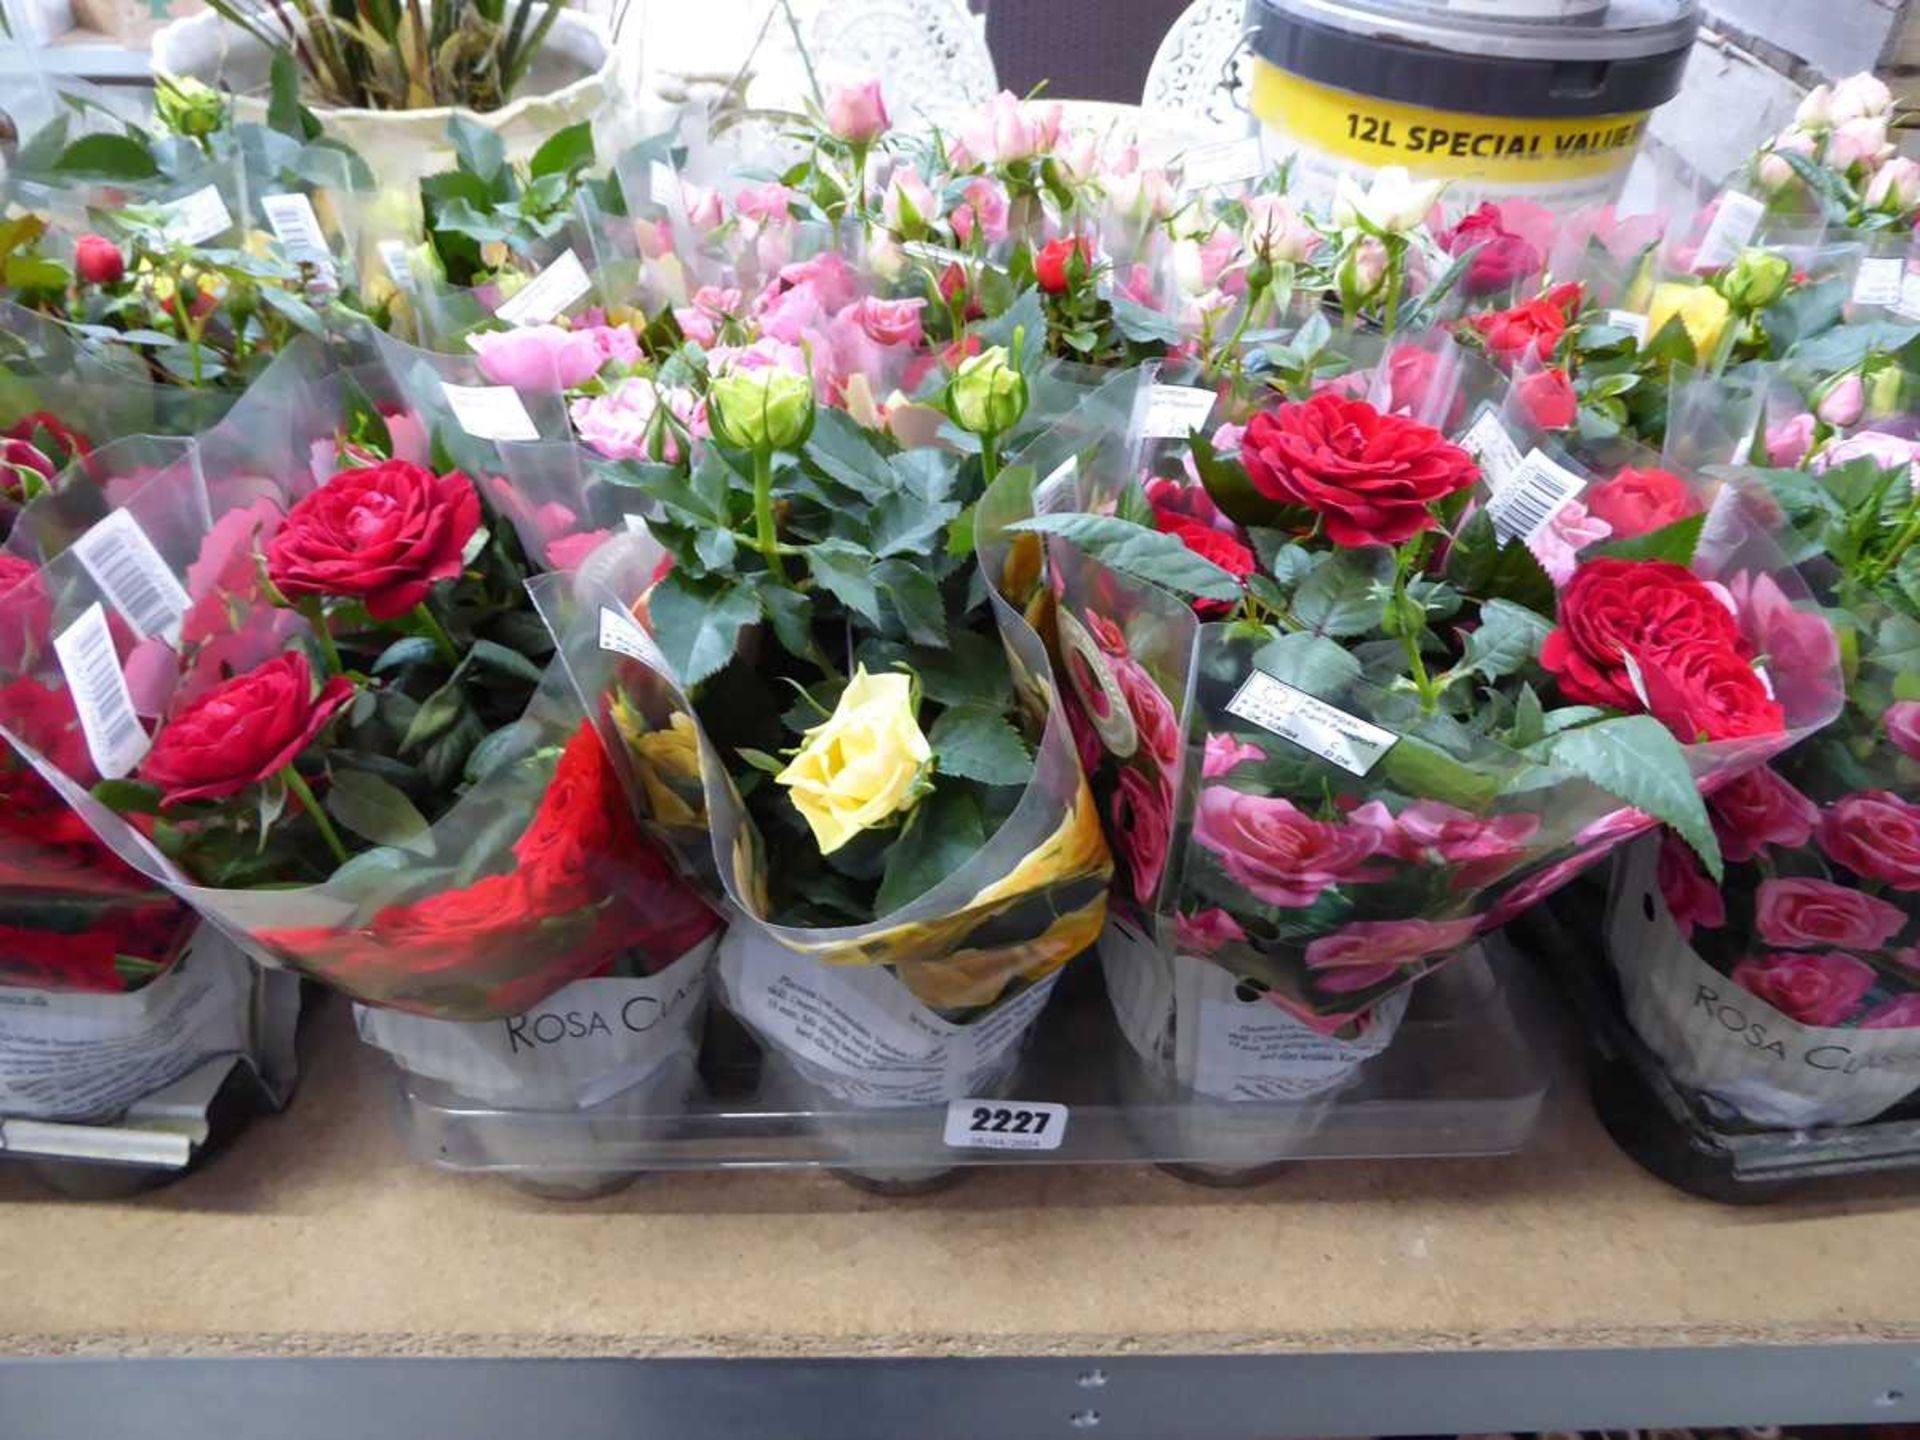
x: 132, y: 575
x: 297, y: 229
x: 196, y: 218
x: 1878, y: 280
x: 1631, y: 321
x: 490, y: 412
x: 1537, y: 491
x: 1355, y: 745
x: 115, y: 738
x: 1492, y: 448
x: 1175, y: 410
x: 1059, y: 492
x: 1734, y: 225
x: 548, y: 294
x: 1231, y: 162
x: 623, y: 635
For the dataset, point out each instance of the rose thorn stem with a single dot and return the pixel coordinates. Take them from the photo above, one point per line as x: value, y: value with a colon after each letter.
x: 301, y: 792
x: 437, y: 632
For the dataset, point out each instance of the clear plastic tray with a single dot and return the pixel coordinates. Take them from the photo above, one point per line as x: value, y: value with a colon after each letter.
x: 1460, y: 1078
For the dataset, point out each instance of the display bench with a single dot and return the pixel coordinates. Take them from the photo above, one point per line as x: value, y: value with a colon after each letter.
x: 1559, y: 1288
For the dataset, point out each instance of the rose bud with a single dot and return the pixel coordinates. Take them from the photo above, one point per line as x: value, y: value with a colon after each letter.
x: 1756, y: 279
x: 857, y: 114
x: 765, y: 409
x: 1844, y: 401
x: 98, y: 261
x: 1054, y: 267
x: 988, y: 394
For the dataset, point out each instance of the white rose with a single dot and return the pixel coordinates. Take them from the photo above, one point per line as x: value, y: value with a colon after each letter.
x: 1860, y: 97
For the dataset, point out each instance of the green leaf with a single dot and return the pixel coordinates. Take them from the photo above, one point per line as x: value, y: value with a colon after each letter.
x: 841, y: 450
x: 971, y: 670
x: 436, y: 715
x: 1415, y: 767
x: 978, y: 743
x: 128, y: 797
x: 107, y: 157
x: 1479, y: 564
x: 508, y: 745
x: 914, y: 597
x: 1142, y: 325
x: 1845, y: 346
x: 295, y: 310
x: 1636, y: 759
x: 1508, y: 636
x: 408, y: 650
x: 1140, y: 554
x: 698, y: 623
x: 565, y: 152
x: 845, y: 571
x: 789, y: 611
x: 284, y: 113
x: 940, y: 836
x: 376, y: 811
x: 1529, y: 719
x: 1308, y: 662
x: 1675, y: 542
x: 480, y: 149
x: 1896, y: 646
x: 503, y: 661
x: 1342, y: 595
x: 904, y: 523
x: 1227, y: 485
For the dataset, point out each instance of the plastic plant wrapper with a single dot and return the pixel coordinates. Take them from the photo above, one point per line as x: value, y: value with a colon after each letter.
x: 492, y: 856
x: 1318, y: 832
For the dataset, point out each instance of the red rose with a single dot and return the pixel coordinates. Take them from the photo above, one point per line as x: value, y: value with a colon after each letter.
x: 1372, y: 478
x: 242, y: 731
x: 1635, y: 502
x: 57, y: 443
x: 1533, y: 325
x: 98, y: 261
x: 1547, y: 398
x: 1645, y: 608
x: 26, y: 610
x: 1876, y: 835
x: 1709, y: 693
x: 1504, y: 259
x: 383, y: 535
x: 1223, y: 550
x: 1053, y: 266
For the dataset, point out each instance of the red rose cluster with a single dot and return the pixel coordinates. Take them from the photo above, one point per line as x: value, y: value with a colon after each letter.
x: 1646, y: 636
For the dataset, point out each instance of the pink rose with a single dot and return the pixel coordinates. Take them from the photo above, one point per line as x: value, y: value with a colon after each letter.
x: 1903, y: 727
x: 1281, y: 855
x: 1558, y: 546
x: 1692, y: 899
x: 890, y: 322
x: 1205, y: 931
x: 1615, y: 826
x: 1900, y: 1013
x: 908, y: 205
x: 537, y: 357
x: 617, y: 344
x: 1086, y: 739
x: 762, y: 354
x: 224, y: 581
x: 1006, y: 130
x: 1373, y: 952
x: 1889, y: 452
x: 1815, y: 989
x: 626, y: 424
x: 857, y: 113
x: 768, y: 203
x: 1805, y: 914
x: 1430, y: 833
x: 705, y: 209
x: 984, y: 204
x: 1152, y: 714
x: 1796, y: 643
x: 1789, y: 441
x: 1758, y: 809
x: 1876, y: 835
x: 1224, y: 752
x: 1143, y: 824
x: 570, y: 552
x: 1537, y: 886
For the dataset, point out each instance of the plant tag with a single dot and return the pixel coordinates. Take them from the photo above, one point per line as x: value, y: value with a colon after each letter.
x: 393, y: 255
x: 115, y: 737
x: 195, y: 219
x: 298, y: 230
x: 1908, y: 305
x: 1230, y: 162
x: 1734, y: 225
x: 1175, y: 410
x: 1880, y: 280
x: 1355, y: 745
x: 1631, y: 321
x: 1058, y: 493
x: 1005, y: 1125
x: 133, y: 577
x: 623, y: 635
x: 548, y: 294
x: 1537, y: 492
x: 1492, y: 448
x: 490, y: 412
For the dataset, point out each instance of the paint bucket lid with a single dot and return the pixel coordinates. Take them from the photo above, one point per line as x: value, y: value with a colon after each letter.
x: 1544, y: 58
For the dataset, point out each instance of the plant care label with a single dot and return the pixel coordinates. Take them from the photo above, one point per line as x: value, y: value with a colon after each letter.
x: 115, y: 737
x: 132, y: 575
x: 195, y: 219
x: 548, y: 294
x: 1230, y: 162
x: 1060, y: 491
x: 1175, y: 411
x: 624, y: 635
x: 1908, y: 306
x: 298, y: 230
x: 1244, y: 1047
x: 1492, y: 448
x: 1878, y: 280
x: 1631, y: 321
x: 1535, y: 493
x: 393, y: 255
x: 75, y: 1056
x: 1005, y: 1125
x: 1735, y: 222
x: 582, y: 1045
x: 1716, y: 1037
x: 490, y: 412
x: 859, y: 1034
x: 1355, y: 745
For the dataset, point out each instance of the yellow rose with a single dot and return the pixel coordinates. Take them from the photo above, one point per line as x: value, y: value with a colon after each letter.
x: 969, y: 978
x: 1703, y: 311
x: 663, y: 758
x: 863, y: 765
